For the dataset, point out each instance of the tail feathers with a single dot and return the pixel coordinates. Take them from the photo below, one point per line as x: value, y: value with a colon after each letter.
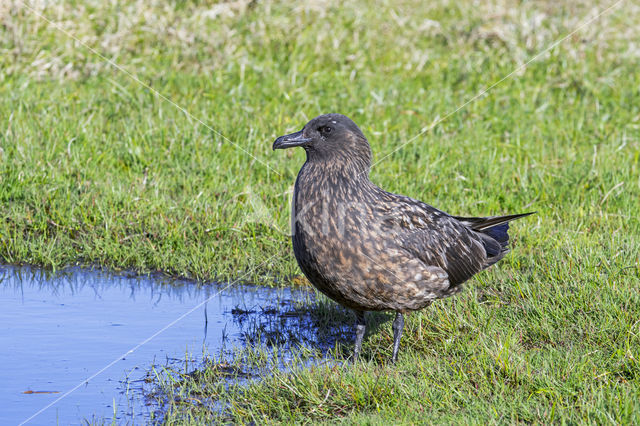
x: 493, y: 230
x: 483, y: 223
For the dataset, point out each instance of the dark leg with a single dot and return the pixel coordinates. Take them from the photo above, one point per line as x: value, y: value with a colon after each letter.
x: 398, y: 325
x: 361, y: 326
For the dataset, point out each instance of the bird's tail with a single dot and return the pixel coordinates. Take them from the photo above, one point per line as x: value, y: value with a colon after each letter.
x: 495, y: 227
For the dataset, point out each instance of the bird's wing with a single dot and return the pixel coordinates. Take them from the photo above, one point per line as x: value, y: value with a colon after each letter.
x: 437, y: 238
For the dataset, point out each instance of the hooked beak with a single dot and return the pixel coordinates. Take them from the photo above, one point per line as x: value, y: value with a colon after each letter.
x: 289, y: 141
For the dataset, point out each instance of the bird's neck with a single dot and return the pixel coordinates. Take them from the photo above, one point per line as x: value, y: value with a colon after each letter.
x: 355, y: 165
x: 336, y: 179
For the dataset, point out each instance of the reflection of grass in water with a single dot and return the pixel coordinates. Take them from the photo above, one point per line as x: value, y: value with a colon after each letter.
x: 292, y: 323
x: 72, y: 280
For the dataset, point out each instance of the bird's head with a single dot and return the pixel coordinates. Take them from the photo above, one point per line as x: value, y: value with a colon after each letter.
x: 330, y: 137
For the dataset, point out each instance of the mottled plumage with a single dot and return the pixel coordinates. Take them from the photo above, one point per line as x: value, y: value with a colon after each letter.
x: 369, y: 249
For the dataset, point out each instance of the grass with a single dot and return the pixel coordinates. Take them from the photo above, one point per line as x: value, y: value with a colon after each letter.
x: 97, y: 169
x: 491, y: 356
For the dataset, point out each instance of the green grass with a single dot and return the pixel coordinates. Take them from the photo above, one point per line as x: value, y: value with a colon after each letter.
x: 495, y: 355
x: 96, y: 169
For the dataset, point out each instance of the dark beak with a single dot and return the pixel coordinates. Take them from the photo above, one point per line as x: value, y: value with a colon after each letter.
x: 289, y: 141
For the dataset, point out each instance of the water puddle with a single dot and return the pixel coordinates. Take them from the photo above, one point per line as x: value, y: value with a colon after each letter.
x: 58, y: 330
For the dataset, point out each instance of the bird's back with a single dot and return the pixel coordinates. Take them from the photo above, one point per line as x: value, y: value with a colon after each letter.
x: 436, y: 238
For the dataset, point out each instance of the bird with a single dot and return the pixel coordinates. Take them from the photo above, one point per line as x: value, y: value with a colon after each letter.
x: 372, y: 250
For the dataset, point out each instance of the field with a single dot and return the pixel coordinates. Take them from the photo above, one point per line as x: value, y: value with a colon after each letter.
x: 173, y: 171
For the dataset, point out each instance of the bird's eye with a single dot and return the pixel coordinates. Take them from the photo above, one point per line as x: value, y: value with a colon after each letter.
x: 325, y: 129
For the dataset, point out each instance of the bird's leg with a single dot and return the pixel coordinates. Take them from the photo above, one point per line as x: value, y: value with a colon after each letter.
x: 398, y: 325
x: 361, y: 326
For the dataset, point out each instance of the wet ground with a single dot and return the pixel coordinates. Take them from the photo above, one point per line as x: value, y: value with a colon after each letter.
x: 58, y: 330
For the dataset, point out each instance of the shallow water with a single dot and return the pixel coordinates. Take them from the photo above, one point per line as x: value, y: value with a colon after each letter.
x: 58, y: 330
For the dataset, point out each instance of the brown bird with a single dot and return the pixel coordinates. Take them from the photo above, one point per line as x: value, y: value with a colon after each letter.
x: 369, y: 249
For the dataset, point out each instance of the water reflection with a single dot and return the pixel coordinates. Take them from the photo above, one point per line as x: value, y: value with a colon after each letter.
x: 58, y: 329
